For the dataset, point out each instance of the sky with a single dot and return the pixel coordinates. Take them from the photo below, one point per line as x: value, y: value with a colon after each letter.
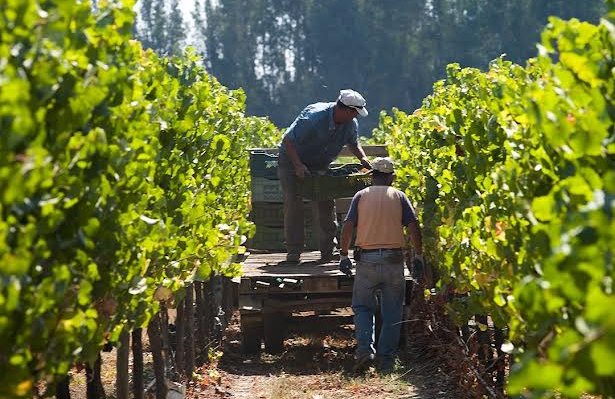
x: 187, y: 7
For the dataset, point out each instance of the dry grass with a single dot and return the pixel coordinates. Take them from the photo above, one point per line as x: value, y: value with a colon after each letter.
x: 338, y: 386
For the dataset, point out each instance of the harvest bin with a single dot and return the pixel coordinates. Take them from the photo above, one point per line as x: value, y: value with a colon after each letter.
x: 266, y: 190
x: 336, y: 182
x: 271, y: 214
x: 263, y: 164
x: 272, y: 238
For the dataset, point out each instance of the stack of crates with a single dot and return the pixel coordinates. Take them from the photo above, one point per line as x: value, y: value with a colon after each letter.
x: 268, y: 204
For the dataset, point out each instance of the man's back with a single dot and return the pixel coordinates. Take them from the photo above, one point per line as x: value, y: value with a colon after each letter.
x: 381, y: 213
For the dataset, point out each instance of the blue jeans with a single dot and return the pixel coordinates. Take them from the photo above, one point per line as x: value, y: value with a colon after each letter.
x: 378, y: 273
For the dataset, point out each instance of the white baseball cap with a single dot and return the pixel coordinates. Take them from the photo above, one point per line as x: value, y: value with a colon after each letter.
x: 352, y: 99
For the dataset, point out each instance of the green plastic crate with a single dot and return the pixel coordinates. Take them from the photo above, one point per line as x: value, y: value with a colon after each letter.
x: 340, y: 182
x: 271, y: 214
x: 263, y: 164
x: 266, y: 190
x: 272, y: 238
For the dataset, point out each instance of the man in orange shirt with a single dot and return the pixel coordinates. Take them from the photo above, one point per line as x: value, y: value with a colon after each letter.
x: 379, y: 213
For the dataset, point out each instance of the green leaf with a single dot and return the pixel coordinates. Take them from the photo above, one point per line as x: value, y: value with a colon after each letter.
x: 603, y: 355
x: 544, y: 207
x: 581, y: 66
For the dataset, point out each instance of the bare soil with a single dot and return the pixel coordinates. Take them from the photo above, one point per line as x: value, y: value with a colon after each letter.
x: 316, y: 364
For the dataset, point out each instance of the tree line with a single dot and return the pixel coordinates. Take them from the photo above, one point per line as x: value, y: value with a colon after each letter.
x: 288, y: 53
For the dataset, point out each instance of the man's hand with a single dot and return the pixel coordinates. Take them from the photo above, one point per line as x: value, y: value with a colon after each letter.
x: 365, y: 162
x: 418, y: 269
x: 301, y: 171
x: 345, y: 265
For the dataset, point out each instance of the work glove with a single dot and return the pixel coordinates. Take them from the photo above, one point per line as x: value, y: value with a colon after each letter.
x: 345, y: 265
x: 418, y: 269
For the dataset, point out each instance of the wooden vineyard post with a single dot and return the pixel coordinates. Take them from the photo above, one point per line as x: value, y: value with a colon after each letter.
x: 500, y: 378
x: 167, y: 354
x: 94, y: 388
x: 155, y: 342
x: 229, y: 299
x: 180, y: 327
x: 121, y: 377
x: 484, y: 352
x: 216, y: 307
x: 208, y: 307
x: 189, y: 309
x: 63, y: 389
x: 201, y: 338
x: 137, y: 364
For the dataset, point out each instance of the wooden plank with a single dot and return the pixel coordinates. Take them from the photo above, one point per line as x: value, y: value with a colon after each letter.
x: 293, y: 301
x: 313, y: 284
x: 312, y: 304
x: 274, y: 265
x: 300, y: 322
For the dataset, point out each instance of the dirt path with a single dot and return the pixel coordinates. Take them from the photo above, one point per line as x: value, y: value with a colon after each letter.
x: 316, y: 364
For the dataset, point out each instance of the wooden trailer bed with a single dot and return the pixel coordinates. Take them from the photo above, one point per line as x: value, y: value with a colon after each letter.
x: 271, y: 290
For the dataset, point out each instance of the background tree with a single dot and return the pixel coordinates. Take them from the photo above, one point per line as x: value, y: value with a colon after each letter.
x: 288, y: 53
x: 161, y: 26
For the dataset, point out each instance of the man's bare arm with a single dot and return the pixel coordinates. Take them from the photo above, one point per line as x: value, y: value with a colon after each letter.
x: 358, y: 152
x: 346, y: 236
x: 300, y: 169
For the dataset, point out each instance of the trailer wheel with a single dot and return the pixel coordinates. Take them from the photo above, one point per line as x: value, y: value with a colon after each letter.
x: 274, y: 324
x: 251, y: 333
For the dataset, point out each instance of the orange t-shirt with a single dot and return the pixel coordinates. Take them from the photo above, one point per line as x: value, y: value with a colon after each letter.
x: 380, y: 214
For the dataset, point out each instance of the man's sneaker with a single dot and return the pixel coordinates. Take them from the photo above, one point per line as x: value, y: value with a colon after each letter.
x: 293, y: 257
x: 362, y: 362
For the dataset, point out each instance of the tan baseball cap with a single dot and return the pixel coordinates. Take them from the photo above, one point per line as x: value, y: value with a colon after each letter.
x: 383, y: 165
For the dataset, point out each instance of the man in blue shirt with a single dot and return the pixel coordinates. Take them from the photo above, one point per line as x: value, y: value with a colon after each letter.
x: 311, y: 143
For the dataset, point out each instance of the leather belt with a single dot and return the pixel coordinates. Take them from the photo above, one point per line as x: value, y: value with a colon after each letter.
x: 367, y: 251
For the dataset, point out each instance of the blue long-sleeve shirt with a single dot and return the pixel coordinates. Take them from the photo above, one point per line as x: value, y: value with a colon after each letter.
x: 317, y: 138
